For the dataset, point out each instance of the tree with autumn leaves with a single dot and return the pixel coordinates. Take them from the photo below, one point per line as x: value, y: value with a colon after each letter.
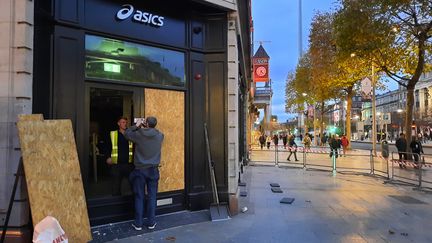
x: 322, y: 74
x: 392, y: 35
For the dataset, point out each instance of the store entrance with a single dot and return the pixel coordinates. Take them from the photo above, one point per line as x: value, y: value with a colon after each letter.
x: 106, y: 107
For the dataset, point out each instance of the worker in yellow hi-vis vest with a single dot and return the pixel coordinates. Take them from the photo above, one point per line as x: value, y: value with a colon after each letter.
x: 120, y: 156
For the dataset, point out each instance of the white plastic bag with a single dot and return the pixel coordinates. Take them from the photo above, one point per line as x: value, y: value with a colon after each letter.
x: 49, y: 231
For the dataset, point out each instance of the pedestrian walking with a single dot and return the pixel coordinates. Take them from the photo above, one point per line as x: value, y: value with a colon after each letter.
x: 344, y: 142
x: 324, y: 139
x: 292, y: 146
x: 268, y: 141
x: 262, y: 140
x: 401, y: 145
x: 334, y: 144
x: 275, y: 140
x: 416, y: 149
x: 307, y: 141
x: 284, y: 140
x: 148, y: 144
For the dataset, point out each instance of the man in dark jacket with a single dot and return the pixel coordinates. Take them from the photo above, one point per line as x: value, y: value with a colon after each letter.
x: 292, y: 147
x: 335, y: 144
x: 275, y: 140
x: 285, y: 140
x: 416, y: 149
x: 262, y: 140
x: 401, y: 145
x: 148, y: 145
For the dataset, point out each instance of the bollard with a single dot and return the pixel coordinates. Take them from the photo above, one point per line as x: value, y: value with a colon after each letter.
x: 276, y: 156
x: 392, y: 176
x: 388, y: 172
x: 372, y: 163
x: 304, y: 158
x: 334, y: 162
x: 420, y: 171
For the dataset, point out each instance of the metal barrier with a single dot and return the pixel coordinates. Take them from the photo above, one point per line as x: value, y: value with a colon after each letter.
x: 355, y: 162
x: 425, y: 181
x: 411, y: 169
x: 285, y: 152
x: 321, y: 158
x: 395, y: 170
x: 264, y: 155
x: 380, y: 166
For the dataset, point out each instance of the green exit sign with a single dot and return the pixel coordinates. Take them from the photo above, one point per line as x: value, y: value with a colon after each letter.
x: 110, y: 67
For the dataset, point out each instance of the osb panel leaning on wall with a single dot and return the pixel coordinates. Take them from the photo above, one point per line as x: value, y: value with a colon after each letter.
x: 53, y: 175
x: 168, y: 108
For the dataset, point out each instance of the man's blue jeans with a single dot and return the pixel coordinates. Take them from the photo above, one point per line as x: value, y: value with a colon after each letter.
x: 140, y: 178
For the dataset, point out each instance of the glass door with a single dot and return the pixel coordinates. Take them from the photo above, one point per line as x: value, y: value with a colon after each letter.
x: 108, y: 104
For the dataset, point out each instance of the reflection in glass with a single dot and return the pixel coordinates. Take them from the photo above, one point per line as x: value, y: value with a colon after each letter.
x: 125, y: 61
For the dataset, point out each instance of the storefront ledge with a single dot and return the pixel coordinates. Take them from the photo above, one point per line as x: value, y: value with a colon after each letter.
x: 110, y: 232
x: 18, y: 235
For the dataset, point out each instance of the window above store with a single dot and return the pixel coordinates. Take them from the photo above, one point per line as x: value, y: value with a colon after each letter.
x: 110, y: 59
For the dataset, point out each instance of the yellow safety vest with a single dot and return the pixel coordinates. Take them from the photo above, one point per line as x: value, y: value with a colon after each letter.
x: 114, y: 151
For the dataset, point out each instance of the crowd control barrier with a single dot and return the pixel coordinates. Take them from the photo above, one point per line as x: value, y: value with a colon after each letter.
x: 405, y: 170
x: 411, y: 169
x: 314, y: 157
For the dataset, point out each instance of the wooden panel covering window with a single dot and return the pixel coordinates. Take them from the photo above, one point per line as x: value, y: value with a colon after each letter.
x: 53, y: 174
x: 168, y: 107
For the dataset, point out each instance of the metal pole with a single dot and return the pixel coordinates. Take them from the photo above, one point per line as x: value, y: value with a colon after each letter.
x: 372, y: 163
x: 388, y: 172
x: 18, y: 174
x: 334, y: 161
x: 420, y: 171
x: 386, y: 127
x: 300, y: 27
x: 304, y: 158
x: 393, y: 166
x: 276, y: 156
x: 374, y: 134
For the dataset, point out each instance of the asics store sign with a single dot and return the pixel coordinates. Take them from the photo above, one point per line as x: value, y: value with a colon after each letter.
x: 143, y: 17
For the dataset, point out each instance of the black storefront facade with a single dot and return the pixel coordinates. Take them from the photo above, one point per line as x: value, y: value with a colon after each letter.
x: 96, y: 60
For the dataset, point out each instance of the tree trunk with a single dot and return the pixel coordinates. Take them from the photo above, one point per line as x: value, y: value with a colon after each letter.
x: 322, y: 121
x: 411, y: 85
x: 408, y: 115
x: 350, y: 95
x: 315, y: 127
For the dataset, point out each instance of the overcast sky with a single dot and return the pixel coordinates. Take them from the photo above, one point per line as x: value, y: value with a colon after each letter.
x: 276, y: 21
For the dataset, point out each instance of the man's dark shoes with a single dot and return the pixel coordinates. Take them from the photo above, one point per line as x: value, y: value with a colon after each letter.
x: 152, y: 226
x: 136, y: 227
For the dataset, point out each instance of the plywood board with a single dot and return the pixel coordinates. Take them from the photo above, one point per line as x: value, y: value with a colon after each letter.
x: 30, y: 117
x: 53, y: 175
x: 168, y: 107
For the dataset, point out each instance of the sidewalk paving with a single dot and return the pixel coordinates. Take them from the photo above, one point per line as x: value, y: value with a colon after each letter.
x: 341, y: 208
